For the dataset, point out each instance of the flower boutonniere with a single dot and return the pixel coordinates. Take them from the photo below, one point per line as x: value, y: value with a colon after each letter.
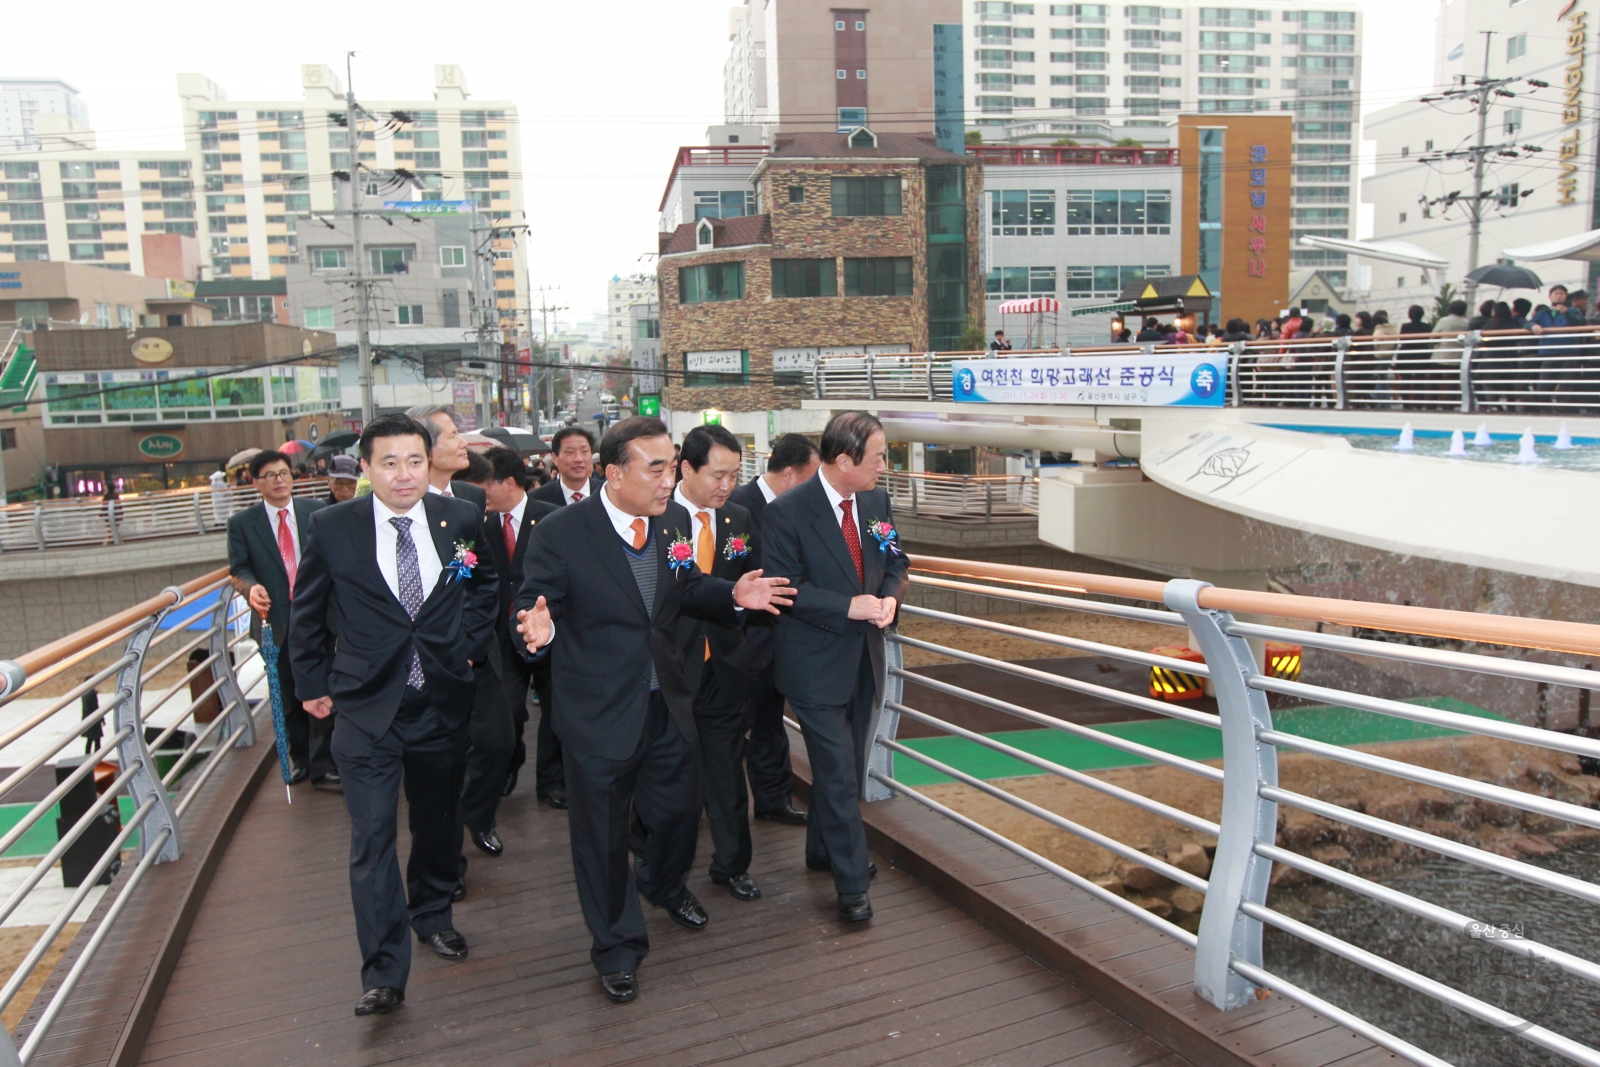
x: 680, y: 553
x: 882, y: 531
x: 738, y: 546
x: 464, y: 560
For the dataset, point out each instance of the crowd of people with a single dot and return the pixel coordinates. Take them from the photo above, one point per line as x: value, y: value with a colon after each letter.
x: 656, y: 613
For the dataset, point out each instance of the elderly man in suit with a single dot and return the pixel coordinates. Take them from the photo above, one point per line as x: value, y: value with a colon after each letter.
x: 393, y: 574
x: 834, y: 539
x: 793, y: 461
x: 605, y: 584
x: 265, y: 543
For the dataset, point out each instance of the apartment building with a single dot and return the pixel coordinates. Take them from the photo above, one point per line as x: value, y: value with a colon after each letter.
x: 1536, y: 194
x: 1096, y: 74
x: 621, y: 296
x: 806, y: 66
x: 22, y: 100
x: 865, y: 242
x: 266, y: 164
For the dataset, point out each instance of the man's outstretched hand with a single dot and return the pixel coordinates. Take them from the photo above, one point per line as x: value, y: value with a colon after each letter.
x: 755, y: 593
x: 535, y: 626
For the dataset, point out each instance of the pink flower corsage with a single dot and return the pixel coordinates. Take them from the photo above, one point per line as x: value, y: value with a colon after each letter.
x: 738, y: 547
x: 465, y: 559
x: 680, y: 553
x: 882, y: 531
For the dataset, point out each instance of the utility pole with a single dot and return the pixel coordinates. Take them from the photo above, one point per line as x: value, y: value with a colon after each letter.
x: 1475, y: 209
x: 545, y: 308
x: 352, y: 112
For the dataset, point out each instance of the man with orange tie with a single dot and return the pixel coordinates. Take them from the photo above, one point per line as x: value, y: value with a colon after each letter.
x: 264, y: 545
x: 714, y: 658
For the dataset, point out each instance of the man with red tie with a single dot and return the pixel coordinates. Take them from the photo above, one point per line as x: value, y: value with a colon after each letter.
x: 264, y: 545
x: 834, y: 539
x: 572, y: 452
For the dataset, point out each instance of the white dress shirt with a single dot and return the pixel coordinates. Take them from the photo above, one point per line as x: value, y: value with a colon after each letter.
x: 294, y: 527
x: 442, y: 492
x: 621, y: 521
x: 766, y: 490
x: 695, y: 511
x: 428, y: 562
x: 566, y: 494
x: 516, y: 517
x: 835, y: 499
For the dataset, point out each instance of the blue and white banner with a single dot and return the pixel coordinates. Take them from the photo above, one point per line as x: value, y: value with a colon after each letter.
x: 1161, y: 379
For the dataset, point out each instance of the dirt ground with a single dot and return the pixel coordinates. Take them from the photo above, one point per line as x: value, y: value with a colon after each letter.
x: 15, y: 941
x: 1102, y: 628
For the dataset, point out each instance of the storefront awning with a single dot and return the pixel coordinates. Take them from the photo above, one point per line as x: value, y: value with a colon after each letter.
x: 1105, y: 309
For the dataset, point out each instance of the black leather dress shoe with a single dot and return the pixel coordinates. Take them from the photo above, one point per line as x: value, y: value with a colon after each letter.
x: 621, y: 986
x: 511, y: 784
x: 556, y: 797
x: 380, y: 1001
x: 740, y: 886
x: 689, y: 913
x: 459, y: 893
x: 854, y: 907
x: 329, y: 781
x: 786, y: 815
x: 488, y: 842
x: 298, y: 773
x: 446, y: 944
x: 827, y: 866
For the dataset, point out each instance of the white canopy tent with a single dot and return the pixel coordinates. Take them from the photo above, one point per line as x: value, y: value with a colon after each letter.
x: 1388, y: 251
x: 1581, y: 246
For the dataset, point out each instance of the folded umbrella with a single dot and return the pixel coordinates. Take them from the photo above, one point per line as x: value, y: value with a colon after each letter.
x: 269, y: 658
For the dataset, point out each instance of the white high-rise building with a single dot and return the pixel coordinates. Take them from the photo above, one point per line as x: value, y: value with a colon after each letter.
x: 1095, y: 74
x: 22, y: 100
x: 621, y: 295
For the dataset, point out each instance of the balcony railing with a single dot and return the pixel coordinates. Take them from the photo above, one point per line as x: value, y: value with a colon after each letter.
x: 943, y: 496
x: 1011, y: 155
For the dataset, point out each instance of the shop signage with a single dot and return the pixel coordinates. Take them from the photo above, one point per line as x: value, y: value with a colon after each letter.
x: 791, y: 360
x: 725, y: 361
x: 1177, y: 379
x: 650, y: 405
x: 152, y: 350
x: 160, y: 446
x: 1572, y: 104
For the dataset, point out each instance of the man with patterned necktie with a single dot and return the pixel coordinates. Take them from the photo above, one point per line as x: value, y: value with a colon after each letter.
x: 403, y: 577
x: 265, y: 541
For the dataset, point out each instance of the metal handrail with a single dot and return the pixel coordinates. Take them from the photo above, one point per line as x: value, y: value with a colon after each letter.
x: 1555, y: 370
x: 1229, y: 970
x: 918, y: 493
x: 157, y: 813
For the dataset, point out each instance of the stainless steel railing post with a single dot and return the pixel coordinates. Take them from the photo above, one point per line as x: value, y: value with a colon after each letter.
x: 885, y: 723
x: 1238, y: 875
x: 1469, y: 344
x: 241, y: 728
x: 872, y: 385
x: 1341, y: 351
x: 146, y: 781
x: 1235, y: 358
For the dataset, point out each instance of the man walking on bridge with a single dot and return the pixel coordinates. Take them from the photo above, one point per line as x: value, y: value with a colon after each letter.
x: 403, y: 579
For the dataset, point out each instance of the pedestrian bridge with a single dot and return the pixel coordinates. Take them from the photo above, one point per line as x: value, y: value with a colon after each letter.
x: 1075, y: 869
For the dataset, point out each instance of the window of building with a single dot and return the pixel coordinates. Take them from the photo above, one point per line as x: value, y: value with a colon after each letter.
x: 8, y: 438
x: 319, y: 318
x: 797, y: 194
x: 328, y: 258
x: 723, y: 204
x: 408, y: 315
x: 1023, y: 213
x: 1020, y: 281
x: 850, y: 118
x: 865, y: 196
x: 649, y: 328
x: 878, y: 276
x: 804, y: 277
x: 711, y: 282
x: 396, y: 260
x: 452, y: 256
x: 125, y: 316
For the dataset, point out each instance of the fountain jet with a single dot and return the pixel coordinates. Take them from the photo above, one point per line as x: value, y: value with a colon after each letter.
x: 1482, y: 438
x: 1458, y: 444
x: 1563, y: 438
x: 1405, y: 443
x: 1525, y: 451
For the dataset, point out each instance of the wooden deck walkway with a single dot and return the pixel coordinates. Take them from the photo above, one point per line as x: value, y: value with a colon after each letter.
x: 269, y: 972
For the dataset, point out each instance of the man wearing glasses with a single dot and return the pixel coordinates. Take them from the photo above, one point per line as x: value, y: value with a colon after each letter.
x: 265, y: 541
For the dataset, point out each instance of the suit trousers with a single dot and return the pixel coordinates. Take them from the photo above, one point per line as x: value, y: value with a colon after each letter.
x: 767, y: 754
x: 549, y: 772
x: 310, y: 738
x: 660, y: 780
x: 491, y: 736
x: 836, y: 738
x: 428, y: 756
x: 721, y: 725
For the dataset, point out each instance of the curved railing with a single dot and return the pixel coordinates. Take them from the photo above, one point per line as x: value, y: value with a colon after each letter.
x: 1229, y: 968
x: 90, y: 522
x: 1556, y: 371
x: 943, y: 496
x: 121, y: 747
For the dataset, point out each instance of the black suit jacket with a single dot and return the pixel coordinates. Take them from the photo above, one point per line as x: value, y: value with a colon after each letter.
x: 509, y: 570
x: 472, y: 494
x: 340, y: 587
x: 254, y: 559
x: 817, y: 648
x: 729, y: 657
x: 550, y: 492
x: 759, y: 625
x: 606, y: 637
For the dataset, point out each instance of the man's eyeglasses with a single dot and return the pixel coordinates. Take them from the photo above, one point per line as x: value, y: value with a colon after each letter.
x: 275, y: 476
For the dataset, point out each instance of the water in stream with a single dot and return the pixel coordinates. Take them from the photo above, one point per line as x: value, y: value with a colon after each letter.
x: 1566, y: 1004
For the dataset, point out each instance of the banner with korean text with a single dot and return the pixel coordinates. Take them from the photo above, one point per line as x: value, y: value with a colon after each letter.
x: 1159, y: 379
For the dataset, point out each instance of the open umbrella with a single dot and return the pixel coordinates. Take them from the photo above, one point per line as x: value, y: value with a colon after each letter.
x: 1503, y: 276
x: 291, y: 448
x: 523, y: 441
x: 340, y: 439
x: 241, y: 458
x: 269, y: 658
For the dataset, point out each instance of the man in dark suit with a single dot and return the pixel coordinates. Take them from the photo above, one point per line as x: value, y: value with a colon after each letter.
x: 605, y: 584
x: 510, y: 521
x: 414, y: 611
x: 793, y: 461
x: 833, y: 538
x: 572, y: 453
x: 265, y: 543
x: 714, y: 656
x: 447, y: 453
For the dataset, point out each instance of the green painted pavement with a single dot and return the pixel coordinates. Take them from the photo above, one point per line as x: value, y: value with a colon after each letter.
x: 41, y: 837
x: 1328, y: 723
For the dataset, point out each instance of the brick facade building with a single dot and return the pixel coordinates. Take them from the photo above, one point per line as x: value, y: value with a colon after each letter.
x: 861, y: 243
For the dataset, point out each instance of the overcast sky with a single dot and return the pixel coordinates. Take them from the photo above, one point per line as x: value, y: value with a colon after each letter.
x: 607, y: 91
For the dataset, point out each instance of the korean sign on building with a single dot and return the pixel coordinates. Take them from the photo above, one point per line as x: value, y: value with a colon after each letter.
x: 1137, y: 379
